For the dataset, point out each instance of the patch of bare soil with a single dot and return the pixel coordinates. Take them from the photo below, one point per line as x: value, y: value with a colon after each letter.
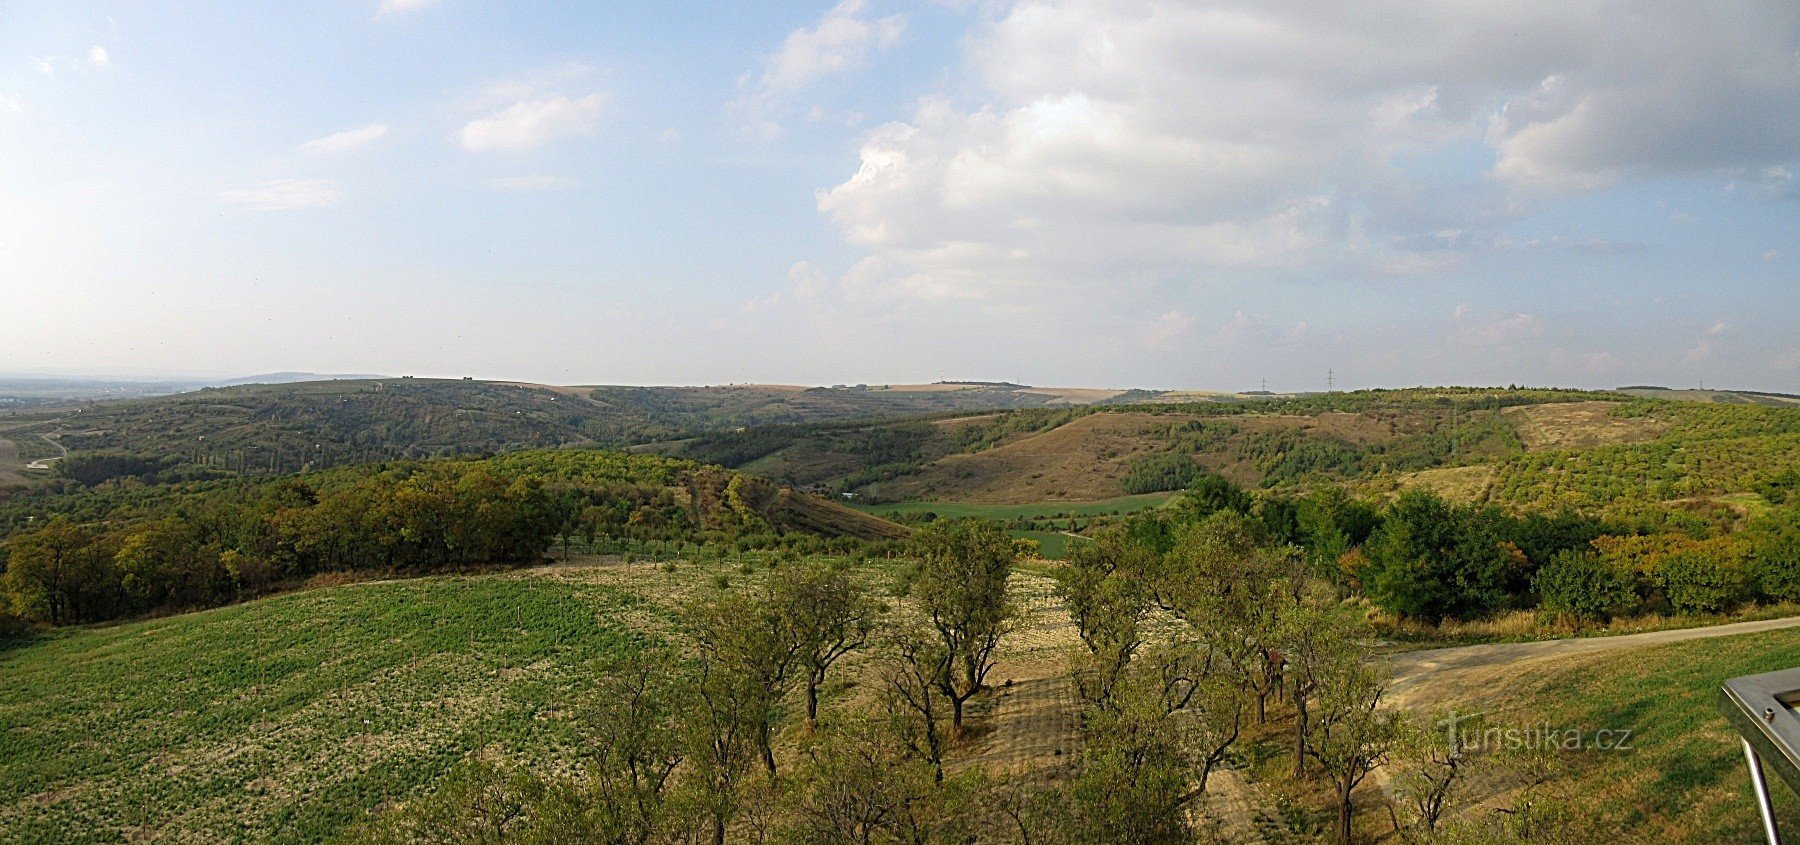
x: 1579, y: 425
x: 1236, y: 806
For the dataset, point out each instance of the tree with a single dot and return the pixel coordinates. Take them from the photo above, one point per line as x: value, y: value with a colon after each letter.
x: 964, y: 567
x: 748, y: 641
x: 1585, y: 585
x: 1150, y: 748
x: 1433, y: 760
x: 1105, y: 590
x: 862, y: 784
x: 637, y: 747
x: 1230, y: 585
x: 1314, y: 639
x: 827, y: 615
x: 1775, y: 547
x: 914, y: 696
x: 46, y: 567
x: 1210, y: 494
x: 1431, y: 560
x: 1707, y: 578
x: 730, y: 708
x: 1350, y: 734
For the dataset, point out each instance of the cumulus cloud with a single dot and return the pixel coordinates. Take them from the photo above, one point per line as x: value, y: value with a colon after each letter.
x: 1162, y: 142
x: 843, y: 40
x: 529, y: 124
x: 1718, y: 328
x: 98, y: 57
x: 348, y: 139
x: 284, y: 194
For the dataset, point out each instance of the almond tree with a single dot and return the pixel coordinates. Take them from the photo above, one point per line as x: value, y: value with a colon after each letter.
x: 827, y: 615
x: 964, y: 567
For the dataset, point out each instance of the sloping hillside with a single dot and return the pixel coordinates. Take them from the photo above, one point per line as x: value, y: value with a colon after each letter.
x: 273, y: 428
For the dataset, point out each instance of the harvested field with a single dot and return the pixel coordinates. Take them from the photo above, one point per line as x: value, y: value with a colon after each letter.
x: 1579, y: 425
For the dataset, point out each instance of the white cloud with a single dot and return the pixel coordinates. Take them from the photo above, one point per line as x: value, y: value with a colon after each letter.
x: 401, y: 7
x: 284, y: 194
x: 11, y: 103
x: 842, y: 41
x: 534, y: 183
x: 1718, y: 328
x: 530, y: 124
x: 348, y: 139
x: 1102, y: 146
x: 98, y: 57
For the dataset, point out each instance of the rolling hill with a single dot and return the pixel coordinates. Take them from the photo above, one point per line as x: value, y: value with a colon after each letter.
x: 1522, y: 449
x: 309, y: 425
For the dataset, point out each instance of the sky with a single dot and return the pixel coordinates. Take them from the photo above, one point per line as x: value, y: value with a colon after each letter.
x: 1107, y: 193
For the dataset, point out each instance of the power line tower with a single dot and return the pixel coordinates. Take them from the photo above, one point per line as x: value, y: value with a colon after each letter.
x: 1330, y: 381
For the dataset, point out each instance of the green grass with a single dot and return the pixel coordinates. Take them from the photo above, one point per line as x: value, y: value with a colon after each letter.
x: 285, y: 719
x: 1051, y: 544
x: 1684, y: 779
x: 1031, y: 510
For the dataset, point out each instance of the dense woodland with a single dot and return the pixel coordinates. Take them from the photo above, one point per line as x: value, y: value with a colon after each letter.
x: 130, y: 549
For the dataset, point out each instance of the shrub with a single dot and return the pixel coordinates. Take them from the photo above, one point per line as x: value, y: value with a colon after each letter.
x: 1582, y: 584
x: 1775, y: 548
x: 1160, y: 472
x: 1702, y: 581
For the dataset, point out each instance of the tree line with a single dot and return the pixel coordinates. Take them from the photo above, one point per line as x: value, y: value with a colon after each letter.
x: 118, y: 552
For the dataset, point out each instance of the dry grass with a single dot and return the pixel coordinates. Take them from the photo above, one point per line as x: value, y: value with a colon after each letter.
x: 1080, y: 461
x: 1457, y: 484
x: 1579, y: 425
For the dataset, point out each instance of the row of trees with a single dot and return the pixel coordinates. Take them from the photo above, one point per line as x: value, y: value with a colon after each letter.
x: 1425, y: 558
x: 1244, y: 623
x: 1192, y: 633
x: 215, y: 549
x: 106, y: 553
x: 684, y: 750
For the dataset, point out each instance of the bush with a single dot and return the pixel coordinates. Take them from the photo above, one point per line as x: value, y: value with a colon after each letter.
x: 1584, y: 585
x: 1696, y: 581
x: 1775, y: 548
x: 1161, y: 472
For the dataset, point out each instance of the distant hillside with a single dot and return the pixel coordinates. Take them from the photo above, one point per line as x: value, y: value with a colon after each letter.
x: 1528, y: 449
x: 288, y: 427
x: 1729, y: 397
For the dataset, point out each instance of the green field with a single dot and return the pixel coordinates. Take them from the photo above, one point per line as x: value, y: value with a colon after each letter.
x: 285, y: 719
x: 1051, y: 544
x: 1033, y: 510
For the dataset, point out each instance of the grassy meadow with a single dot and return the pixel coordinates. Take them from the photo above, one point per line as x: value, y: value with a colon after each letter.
x: 1683, y: 780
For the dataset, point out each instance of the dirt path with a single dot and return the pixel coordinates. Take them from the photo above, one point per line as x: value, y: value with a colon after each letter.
x: 44, y: 463
x: 1447, y: 667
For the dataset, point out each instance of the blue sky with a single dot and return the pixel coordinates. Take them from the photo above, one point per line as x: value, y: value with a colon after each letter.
x: 1135, y: 193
